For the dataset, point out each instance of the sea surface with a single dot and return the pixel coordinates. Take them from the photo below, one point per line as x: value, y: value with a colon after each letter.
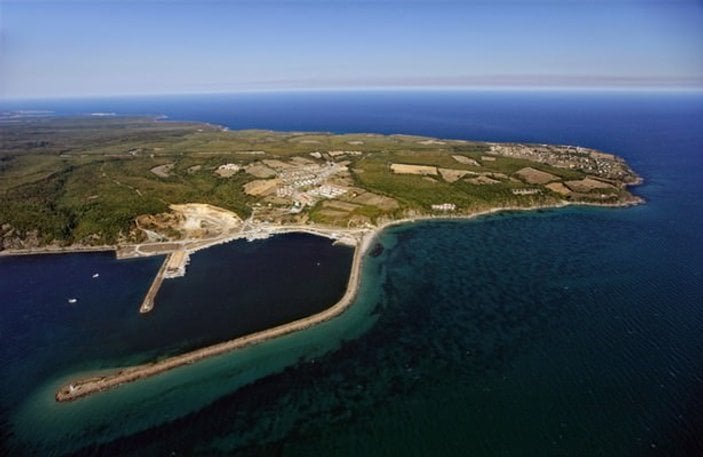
x: 576, y: 331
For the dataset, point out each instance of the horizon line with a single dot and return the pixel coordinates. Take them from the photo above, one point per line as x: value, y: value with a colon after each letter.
x: 420, y: 88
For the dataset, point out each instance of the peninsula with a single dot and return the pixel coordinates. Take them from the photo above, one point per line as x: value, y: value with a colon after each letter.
x: 145, y: 186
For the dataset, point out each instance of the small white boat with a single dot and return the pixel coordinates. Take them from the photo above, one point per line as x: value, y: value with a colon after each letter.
x: 96, y: 275
x: 72, y: 300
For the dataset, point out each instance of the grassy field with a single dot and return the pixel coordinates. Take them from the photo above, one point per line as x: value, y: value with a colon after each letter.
x: 86, y: 179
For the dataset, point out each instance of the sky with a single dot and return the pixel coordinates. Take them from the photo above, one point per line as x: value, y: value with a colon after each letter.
x: 129, y: 47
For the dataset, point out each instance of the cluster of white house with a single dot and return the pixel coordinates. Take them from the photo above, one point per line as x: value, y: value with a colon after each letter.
x: 526, y: 191
x: 444, y: 207
x: 229, y: 167
x: 327, y: 191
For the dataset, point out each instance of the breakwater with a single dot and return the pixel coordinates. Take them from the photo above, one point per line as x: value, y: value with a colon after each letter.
x: 87, y: 386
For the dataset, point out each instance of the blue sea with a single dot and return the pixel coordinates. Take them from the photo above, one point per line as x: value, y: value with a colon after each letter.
x: 566, y: 332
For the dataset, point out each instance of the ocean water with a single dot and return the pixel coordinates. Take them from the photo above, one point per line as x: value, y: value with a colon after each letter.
x: 564, y: 332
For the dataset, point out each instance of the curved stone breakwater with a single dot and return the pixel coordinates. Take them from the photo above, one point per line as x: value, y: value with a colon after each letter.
x: 84, y: 387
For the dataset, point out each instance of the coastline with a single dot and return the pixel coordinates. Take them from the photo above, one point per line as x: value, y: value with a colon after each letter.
x: 347, y: 236
x: 504, y: 209
x: 87, y: 386
x: 70, y: 249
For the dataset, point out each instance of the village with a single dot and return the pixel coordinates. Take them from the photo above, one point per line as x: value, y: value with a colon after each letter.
x: 602, y: 165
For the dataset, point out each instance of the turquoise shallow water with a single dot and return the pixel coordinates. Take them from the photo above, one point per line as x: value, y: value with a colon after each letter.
x: 562, y: 332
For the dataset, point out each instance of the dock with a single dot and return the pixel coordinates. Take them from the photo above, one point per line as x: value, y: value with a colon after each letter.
x: 174, y: 266
x: 148, y: 303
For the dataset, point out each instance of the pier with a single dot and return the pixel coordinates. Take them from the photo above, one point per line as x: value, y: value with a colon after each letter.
x: 148, y: 303
x: 174, y: 266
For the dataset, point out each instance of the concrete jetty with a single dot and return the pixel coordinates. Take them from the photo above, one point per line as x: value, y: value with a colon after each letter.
x: 148, y: 303
x: 174, y: 266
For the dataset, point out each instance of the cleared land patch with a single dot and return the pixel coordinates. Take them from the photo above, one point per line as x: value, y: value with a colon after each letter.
x: 559, y: 188
x: 259, y: 170
x: 261, y: 186
x: 379, y: 201
x: 227, y: 170
x: 451, y: 175
x: 588, y: 184
x: 482, y: 180
x: 406, y: 169
x: 336, y: 204
x: 534, y: 176
x: 466, y: 160
x: 333, y: 213
x: 302, y: 161
x: 495, y: 175
x: 277, y: 164
x: 163, y: 171
x: 190, y: 220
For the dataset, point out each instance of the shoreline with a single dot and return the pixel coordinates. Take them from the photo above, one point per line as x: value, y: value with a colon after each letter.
x: 347, y: 236
x: 503, y: 209
x: 87, y: 386
x: 71, y: 249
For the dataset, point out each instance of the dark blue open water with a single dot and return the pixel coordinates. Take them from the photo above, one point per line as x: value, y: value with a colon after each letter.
x: 564, y: 332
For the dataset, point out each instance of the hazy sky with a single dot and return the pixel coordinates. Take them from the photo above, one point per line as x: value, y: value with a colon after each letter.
x: 83, y: 48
